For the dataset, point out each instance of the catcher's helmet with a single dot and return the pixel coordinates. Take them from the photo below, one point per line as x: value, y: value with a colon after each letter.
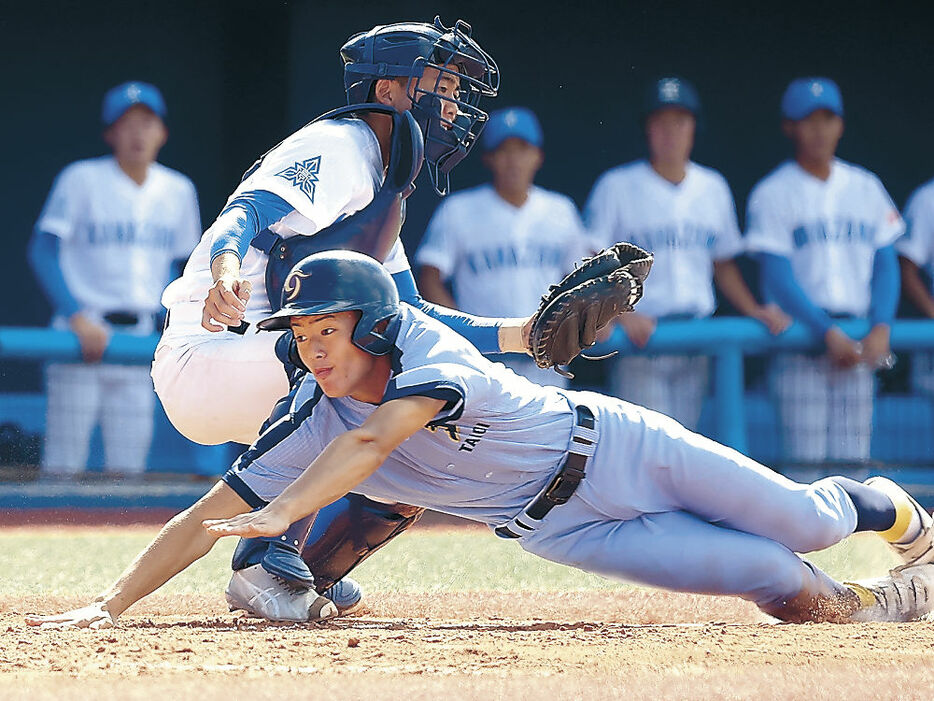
x: 342, y: 281
x: 404, y: 50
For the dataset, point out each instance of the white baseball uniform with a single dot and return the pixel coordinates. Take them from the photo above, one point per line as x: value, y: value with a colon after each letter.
x: 501, y: 259
x: 830, y: 232
x: 220, y: 386
x: 118, y: 240
x: 658, y: 504
x: 687, y: 226
x: 917, y: 245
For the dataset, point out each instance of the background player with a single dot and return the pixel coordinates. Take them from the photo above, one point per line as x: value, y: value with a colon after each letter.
x: 684, y: 214
x: 218, y: 386
x: 824, y: 229
x: 916, y: 253
x: 502, y: 244
x: 102, y: 251
x: 398, y: 406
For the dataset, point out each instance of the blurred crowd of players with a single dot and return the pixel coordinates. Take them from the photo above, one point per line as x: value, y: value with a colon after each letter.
x: 828, y: 240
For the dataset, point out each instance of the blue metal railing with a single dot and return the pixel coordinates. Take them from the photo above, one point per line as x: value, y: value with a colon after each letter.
x: 727, y: 340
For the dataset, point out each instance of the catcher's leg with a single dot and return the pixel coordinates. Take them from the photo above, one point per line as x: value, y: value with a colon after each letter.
x: 344, y: 534
x: 349, y: 531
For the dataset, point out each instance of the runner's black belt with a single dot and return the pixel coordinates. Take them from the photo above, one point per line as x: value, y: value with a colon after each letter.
x: 563, y: 484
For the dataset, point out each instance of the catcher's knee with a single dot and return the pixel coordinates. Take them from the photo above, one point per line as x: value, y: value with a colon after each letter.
x: 348, y: 531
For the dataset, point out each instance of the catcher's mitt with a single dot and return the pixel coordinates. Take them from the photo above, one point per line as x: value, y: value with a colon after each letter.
x: 573, y: 311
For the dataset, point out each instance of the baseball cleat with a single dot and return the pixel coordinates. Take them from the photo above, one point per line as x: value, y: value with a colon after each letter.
x: 262, y: 594
x: 920, y: 550
x: 906, y: 594
x: 346, y: 595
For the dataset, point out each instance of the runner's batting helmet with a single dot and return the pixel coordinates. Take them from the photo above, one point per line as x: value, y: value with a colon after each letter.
x: 342, y: 281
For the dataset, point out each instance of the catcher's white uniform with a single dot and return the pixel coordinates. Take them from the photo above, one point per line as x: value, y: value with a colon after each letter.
x: 221, y: 386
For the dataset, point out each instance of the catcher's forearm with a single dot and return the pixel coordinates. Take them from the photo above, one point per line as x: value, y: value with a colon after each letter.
x: 227, y: 264
x: 513, y: 336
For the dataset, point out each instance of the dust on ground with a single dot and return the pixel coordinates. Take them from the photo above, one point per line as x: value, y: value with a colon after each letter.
x: 637, y: 644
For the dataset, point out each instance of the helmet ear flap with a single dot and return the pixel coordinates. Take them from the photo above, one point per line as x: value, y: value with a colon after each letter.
x: 380, y: 338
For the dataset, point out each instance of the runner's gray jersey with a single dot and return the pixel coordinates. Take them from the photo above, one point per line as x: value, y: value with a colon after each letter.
x: 494, y: 444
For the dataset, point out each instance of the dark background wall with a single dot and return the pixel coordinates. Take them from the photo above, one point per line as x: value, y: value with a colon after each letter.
x: 238, y: 76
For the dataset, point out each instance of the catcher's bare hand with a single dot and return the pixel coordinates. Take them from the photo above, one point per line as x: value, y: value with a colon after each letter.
x: 638, y: 327
x: 773, y: 318
x: 92, y: 335
x: 258, y: 524
x: 93, y: 616
x: 226, y: 303
x: 843, y: 351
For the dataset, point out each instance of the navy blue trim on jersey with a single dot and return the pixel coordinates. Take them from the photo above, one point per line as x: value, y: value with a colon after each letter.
x: 778, y: 281
x: 269, y: 439
x: 243, y: 491
x: 44, y: 256
x: 482, y: 332
x: 886, y: 281
x: 247, y: 215
x: 450, y: 392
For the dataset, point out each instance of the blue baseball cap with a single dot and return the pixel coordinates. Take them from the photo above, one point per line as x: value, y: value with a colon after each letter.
x: 121, y: 98
x: 672, y: 91
x: 519, y: 122
x: 806, y: 95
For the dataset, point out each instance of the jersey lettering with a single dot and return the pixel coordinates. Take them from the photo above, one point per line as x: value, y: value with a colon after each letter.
x: 476, y: 433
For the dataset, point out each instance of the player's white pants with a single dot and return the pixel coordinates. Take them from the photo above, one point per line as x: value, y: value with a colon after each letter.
x: 219, y: 387
x: 826, y: 412
x: 80, y: 396
x: 673, y: 385
x: 666, y: 507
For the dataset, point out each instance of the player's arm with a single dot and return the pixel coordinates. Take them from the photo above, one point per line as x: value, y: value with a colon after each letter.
x: 433, y: 287
x: 181, y: 542
x: 730, y: 280
x: 883, y: 305
x: 488, y: 335
x: 231, y: 234
x: 778, y: 277
x: 45, y: 259
x: 914, y: 288
x: 346, y: 462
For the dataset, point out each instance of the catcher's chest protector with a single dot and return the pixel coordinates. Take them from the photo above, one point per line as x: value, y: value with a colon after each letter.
x: 374, y: 229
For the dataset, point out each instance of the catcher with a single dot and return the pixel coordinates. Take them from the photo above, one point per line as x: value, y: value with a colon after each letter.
x: 399, y: 407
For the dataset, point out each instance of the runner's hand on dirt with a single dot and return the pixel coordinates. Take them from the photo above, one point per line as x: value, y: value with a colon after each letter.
x: 94, y: 616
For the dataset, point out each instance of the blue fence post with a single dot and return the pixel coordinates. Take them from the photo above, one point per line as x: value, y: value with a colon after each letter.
x: 728, y: 397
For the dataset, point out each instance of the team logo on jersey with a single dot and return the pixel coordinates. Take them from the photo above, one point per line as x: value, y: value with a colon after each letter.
x: 303, y: 175
x: 293, y: 284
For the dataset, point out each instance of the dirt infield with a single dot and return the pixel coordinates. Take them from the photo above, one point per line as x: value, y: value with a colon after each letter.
x: 635, y: 645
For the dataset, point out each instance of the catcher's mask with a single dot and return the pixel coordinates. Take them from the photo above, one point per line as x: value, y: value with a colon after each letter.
x: 342, y: 281
x: 404, y: 50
